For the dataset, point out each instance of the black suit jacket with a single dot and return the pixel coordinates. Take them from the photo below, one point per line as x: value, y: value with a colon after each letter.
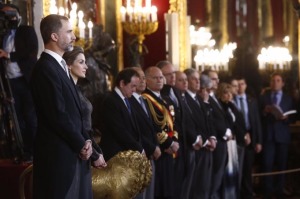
x: 26, y: 49
x: 254, y: 121
x: 237, y: 125
x: 276, y: 130
x: 119, y: 129
x: 147, y: 130
x: 60, y: 136
x: 218, y: 118
x: 199, y: 119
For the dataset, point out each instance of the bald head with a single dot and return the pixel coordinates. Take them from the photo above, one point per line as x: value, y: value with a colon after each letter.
x: 154, y: 78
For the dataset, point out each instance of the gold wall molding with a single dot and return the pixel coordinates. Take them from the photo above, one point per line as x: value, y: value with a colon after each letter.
x: 119, y: 35
x: 180, y: 7
x: 46, y: 7
x: 224, y: 22
x: 266, y: 18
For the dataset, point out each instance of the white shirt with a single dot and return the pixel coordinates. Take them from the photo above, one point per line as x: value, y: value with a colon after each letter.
x: 56, y: 56
x: 118, y: 91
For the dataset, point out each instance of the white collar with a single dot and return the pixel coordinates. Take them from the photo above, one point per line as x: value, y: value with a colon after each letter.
x: 192, y: 94
x: 56, y: 56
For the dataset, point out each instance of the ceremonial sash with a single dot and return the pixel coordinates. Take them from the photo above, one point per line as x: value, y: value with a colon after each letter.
x: 163, y: 110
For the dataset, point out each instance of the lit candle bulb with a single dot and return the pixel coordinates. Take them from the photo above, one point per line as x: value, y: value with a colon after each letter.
x: 61, y: 11
x: 53, y: 10
x: 154, y: 13
x: 81, y: 24
x: 123, y: 13
x: 74, y: 6
x: 81, y: 30
x: 128, y: 4
x: 148, y: 4
x: 90, y: 26
x: 130, y: 13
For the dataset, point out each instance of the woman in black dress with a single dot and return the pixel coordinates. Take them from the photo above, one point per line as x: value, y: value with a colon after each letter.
x: 75, y: 60
x: 237, y: 126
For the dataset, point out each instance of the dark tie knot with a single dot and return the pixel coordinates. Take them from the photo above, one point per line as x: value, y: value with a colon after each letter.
x: 275, y: 97
x: 127, y: 104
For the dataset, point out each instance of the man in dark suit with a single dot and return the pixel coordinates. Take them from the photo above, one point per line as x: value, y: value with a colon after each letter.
x: 222, y: 132
x: 200, y: 138
x: 120, y: 131
x: 253, y: 138
x: 162, y: 117
x: 61, y: 146
x: 148, y: 131
x: 20, y: 47
x: 277, y: 134
x: 172, y: 97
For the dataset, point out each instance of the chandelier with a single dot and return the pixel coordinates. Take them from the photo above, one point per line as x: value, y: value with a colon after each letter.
x: 214, y: 59
x: 274, y: 58
x: 83, y: 31
x: 139, y: 20
x: 205, y: 55
x: 201, y: 37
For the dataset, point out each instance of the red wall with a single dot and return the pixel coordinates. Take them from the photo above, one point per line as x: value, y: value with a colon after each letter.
x: 156, y: 42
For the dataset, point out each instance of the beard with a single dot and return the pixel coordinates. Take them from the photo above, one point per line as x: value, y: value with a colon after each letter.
x: 69, y: 48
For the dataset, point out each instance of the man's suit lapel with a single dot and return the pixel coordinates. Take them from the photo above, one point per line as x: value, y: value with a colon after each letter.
x: 129, y: 115
x: 141, y: 113
x: 65, y: 78
x: 216, y: 106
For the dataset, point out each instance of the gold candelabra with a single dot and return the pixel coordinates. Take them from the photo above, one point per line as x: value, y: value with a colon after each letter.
x: 83, y: 39
x: 140, y: 29
x: 139, y: 20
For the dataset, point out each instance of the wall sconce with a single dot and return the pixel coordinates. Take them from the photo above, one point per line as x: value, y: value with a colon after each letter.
x: 274, y: 58
x: 139, y: 20
x: 79, y: 26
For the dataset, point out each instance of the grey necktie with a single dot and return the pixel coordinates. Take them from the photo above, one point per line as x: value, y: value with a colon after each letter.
x: 173, y: 97
x: 64, y: 64
x: 197, y: 101
x: 142, y: 102
x: 242, y: 106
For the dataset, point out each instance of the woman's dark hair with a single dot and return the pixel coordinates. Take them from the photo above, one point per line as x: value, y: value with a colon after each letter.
x: 70, y: 56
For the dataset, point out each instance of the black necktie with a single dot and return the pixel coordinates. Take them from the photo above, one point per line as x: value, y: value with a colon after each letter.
x: 127, y: 104
x: 274, y: 98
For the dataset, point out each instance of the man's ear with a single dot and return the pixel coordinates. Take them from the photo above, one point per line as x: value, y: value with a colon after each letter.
x: 54, y: 36
x: 122, y: 84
